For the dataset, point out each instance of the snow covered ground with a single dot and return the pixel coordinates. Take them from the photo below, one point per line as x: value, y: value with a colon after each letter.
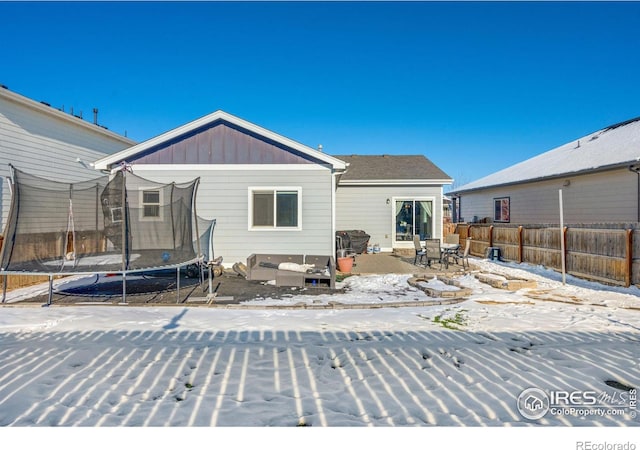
x: 464, y: 364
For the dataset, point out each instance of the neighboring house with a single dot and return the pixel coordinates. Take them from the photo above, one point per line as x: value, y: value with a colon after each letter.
x: 47, y: 142
x: 391, y: 198
x: 270, y: 194
x: 446, y: 209
x: 599, y: 176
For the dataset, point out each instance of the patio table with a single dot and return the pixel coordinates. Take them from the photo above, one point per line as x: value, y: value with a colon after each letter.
x: 448, y: 250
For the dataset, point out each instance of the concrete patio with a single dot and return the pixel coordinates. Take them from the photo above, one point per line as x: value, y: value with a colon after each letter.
x: 384, y: 263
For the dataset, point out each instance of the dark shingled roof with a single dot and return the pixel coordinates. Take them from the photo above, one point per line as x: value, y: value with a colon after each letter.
x: 390, y: 167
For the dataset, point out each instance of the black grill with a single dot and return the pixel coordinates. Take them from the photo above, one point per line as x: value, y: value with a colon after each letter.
x: 356, y: 240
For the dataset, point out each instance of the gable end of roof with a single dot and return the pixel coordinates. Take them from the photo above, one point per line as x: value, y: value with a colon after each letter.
x: 206, y: 122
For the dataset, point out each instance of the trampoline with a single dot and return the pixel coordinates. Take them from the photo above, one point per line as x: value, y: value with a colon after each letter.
x: 114, y: 224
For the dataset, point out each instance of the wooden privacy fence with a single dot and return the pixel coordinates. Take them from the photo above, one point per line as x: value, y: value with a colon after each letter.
x: 609, y: 255
x: 448, y: 228
x: 18, y: 281
x: 26, y: 251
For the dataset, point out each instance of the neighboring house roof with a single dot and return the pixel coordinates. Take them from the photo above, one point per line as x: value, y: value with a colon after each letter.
x: 215, y: 124
x: 612, y: 147
x: 391, y: 169
x: 70, y: 118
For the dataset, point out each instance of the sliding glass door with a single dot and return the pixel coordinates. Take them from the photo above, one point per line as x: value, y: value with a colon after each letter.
x: 413, y: 216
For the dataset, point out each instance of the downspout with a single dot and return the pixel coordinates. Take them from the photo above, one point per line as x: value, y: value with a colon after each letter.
x: 636, y: 168
x: 440, y: 209
x: 334, y: 187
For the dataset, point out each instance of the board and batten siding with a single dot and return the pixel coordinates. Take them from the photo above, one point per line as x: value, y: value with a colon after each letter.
x: 223, y: 194
x: 49, y: 146
x: 602, y: 197
x: 365, y: 208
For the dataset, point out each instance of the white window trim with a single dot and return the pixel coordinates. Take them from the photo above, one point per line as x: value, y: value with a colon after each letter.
x: 275, y: 189
x: 401, y: 244
x: 141, y: 216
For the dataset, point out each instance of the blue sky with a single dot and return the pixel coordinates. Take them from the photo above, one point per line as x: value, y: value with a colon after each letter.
x: 474, y: 86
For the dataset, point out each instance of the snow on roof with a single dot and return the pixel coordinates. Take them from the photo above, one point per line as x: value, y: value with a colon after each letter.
x: 613, y: 146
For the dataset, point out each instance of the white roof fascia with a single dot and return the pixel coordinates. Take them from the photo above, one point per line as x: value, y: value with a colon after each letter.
x: 46, y: 109
x: 229, y: 167
x: 421, y: 182
x: 218, y: 115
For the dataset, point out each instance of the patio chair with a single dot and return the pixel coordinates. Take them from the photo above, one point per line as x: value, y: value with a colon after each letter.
x: 464, y: 256
x: 420, y: 252
x: 343, y: 250
x: 433, y: 251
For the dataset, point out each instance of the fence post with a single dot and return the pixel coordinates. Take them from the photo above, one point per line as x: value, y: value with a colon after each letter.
x: 629, y: 254
x: 565, y: 251
x: 490, y: 235
x: 520, y: 244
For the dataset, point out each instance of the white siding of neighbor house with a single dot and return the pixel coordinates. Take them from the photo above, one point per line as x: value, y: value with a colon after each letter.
x: 365, y: 208
x: 602, y: 197
x: 223, y: 194
x: 48, y: 146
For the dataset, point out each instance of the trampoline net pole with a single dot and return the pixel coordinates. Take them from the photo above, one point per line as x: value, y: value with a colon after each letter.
x: 124, y: 287
x: 210, y: 280
x: 50, y: 299
x: 178, y: 284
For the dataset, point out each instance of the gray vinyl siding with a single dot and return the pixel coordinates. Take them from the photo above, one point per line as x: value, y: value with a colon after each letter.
x: 365, y: 208
x: 47, y: 146
x: 224, y: 195
x: 602, y: 197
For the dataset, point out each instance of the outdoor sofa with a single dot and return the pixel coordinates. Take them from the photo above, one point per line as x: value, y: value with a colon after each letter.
x: 264, y: 267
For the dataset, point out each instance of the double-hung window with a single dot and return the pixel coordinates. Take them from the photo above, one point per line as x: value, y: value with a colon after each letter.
x: 275, y: 208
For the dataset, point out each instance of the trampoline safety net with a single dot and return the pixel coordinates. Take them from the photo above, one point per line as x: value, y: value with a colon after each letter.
x: 115, y: 223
